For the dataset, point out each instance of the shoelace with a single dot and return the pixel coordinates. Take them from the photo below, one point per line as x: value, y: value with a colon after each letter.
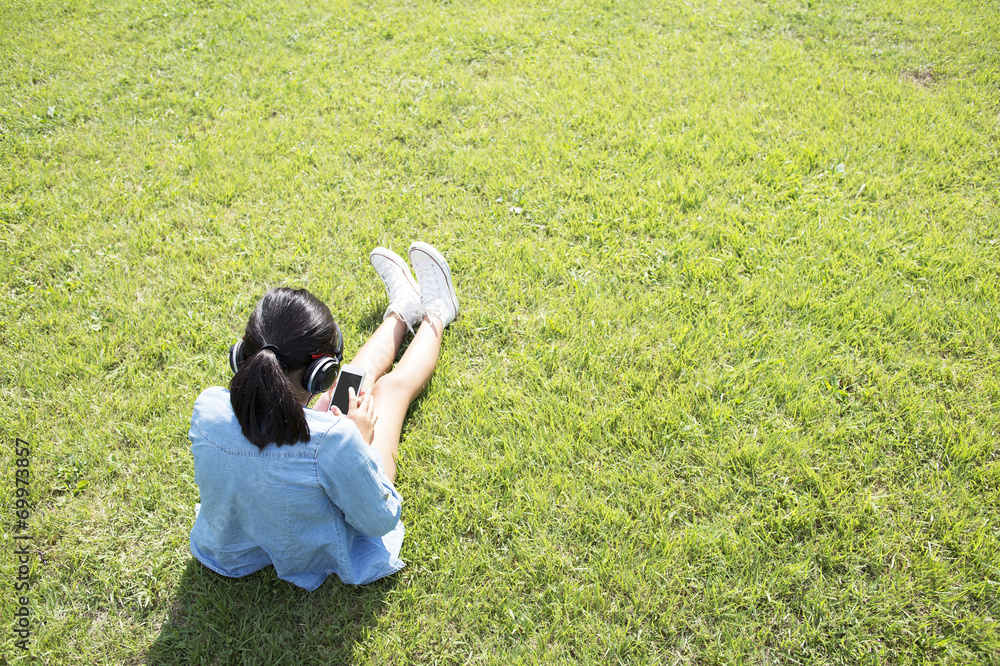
x: 397, y: 283
x: 433, y: 284
x: 431, y: 276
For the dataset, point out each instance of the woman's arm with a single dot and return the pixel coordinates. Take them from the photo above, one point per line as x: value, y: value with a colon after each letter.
x: 351, y: 474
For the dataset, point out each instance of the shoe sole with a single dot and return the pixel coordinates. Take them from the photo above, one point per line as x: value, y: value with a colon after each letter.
x: 420, y: 246
x: 396, y: 259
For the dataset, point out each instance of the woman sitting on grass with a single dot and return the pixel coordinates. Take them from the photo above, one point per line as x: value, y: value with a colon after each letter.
x: 309, y: 490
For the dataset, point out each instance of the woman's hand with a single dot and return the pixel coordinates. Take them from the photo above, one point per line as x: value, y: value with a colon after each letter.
x: 323, y: 404
x: 362, y: 412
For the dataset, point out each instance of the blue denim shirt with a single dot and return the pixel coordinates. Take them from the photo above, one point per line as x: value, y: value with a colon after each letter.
x: 310, y: 509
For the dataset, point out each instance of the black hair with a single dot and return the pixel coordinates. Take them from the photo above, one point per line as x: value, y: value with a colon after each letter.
x: 299, y: 326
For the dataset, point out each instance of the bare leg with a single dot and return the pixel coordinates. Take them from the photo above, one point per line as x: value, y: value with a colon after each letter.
x: 378, y: 353
x: 394, y: 391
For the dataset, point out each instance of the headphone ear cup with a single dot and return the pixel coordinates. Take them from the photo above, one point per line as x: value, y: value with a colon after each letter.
x: 320, y: 375
x: 236, y: 356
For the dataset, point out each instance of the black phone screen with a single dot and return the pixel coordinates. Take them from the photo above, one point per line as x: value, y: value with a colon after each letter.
x: 345, y: 381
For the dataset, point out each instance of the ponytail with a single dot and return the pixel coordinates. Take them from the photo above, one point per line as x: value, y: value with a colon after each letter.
x: 266, y: 404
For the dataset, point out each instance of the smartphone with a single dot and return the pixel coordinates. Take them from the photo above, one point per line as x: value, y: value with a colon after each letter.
x: 351, y: 376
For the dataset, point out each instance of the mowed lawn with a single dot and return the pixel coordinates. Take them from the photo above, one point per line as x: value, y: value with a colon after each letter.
x: 725, y: 386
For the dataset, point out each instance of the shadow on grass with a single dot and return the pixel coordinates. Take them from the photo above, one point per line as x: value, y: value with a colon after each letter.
x: 261, y: 619
x: 370, y: 322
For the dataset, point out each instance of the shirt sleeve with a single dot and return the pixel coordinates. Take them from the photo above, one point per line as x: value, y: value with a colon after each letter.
x: 351, y: 474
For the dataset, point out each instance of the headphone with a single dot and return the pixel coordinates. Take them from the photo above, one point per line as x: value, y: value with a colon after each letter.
x: 321, y: 372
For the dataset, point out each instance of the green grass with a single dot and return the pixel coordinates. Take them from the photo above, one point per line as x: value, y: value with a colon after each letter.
x: 726, y: 383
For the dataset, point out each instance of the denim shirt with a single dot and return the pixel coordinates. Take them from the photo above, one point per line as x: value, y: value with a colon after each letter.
x: 311, y: 509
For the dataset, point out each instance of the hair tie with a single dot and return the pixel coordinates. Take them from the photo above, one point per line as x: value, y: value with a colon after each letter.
x: 273, y: 348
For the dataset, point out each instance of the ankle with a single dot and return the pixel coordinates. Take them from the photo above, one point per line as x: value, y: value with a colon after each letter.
x: 434, y: 321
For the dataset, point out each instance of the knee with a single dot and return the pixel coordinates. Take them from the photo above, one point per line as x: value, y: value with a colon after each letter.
x: 390, y: 385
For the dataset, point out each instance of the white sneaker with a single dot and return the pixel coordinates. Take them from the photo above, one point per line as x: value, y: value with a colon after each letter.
x: 437, y: 294
x: 404, y: 293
